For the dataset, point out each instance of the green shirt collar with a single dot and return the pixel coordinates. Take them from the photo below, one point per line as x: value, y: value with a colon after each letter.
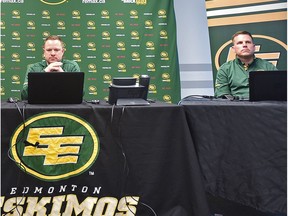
x: 243, y: 64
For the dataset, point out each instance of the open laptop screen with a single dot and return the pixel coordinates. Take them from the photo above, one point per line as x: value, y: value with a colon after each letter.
x: 268, y: 85
x: 55, y: 87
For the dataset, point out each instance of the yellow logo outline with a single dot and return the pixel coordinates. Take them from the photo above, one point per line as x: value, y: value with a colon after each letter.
x: 57, y: 3
x: 27, y: 169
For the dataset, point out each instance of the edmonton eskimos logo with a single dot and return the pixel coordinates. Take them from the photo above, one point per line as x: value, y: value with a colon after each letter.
x: 53, y: 2
x: 53, y: 146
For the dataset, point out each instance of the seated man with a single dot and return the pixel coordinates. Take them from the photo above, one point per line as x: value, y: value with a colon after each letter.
x: 53, y: 52
x: 233, y: 76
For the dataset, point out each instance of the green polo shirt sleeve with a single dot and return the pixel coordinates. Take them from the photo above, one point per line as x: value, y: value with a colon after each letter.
x: 70, y: 66
x: 222, y: 83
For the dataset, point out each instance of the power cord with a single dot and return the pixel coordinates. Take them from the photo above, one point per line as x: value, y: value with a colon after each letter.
x: 22, y: 115
x: 126, y: 169
x: 196, y: 97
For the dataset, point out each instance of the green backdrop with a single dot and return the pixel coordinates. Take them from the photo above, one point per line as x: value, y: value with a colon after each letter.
x: 107, y: 38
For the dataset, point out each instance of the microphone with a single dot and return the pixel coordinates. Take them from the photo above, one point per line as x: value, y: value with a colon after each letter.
x: 236, y: 98
x: 27, y: 143
x: 228, y: 96
x: 144, y: 80
x: 12, y: 100
x: 231, y: 97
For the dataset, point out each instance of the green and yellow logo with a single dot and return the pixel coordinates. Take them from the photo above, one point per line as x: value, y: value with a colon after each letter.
x: 141, y: 2
x: 46, y: 14
x: 76, y: 14
x: 46, y: 34
x: 92, y: 90
x: 150, y: 66
x: 135, y: 35
x: 77, y: 57
x: 121, y: 67
x: 15, y: 57
x: 106, y: 35
x: 166, y: 77
x: 91, y: 46
x: 92, y: 68
x: 2, y: 46
x: 106, y: 57
x: 164, y: 56
x: 167, y: 98
x: 31, y: 24
x: 53, y: 146
x: 163, y: 34
x: 162, y: 13
x: 105, y: 14
x: 148, y: 24
x: 61, y: 24
x: 107, y: 78
x: 152, y: 88
x: 31, y: 46
x: 2, y: 24
x: 16, y: 14
x: 121, y: 45
x: 15, y: 79
x: 120, y: 24
x: 134, y: 14
x: 91, y: 24
x: 2, y: 90
x: 76, y: 35
x: 2, y: 68
x: 135, y: 56
x: 16, y: 35
x: 150, y: 45
x: 53, y: 2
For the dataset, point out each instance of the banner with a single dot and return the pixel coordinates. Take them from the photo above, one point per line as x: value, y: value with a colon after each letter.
x: 107, y: 38
x: 265, y: 20
x: 90, y: 160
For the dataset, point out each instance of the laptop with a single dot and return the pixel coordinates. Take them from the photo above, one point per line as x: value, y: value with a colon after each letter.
x: 268, y: 85
x: 55, y: 87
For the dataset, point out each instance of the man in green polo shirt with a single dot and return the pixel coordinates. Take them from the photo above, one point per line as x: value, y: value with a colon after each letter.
x: 233, y: 76
x: 53, y: 53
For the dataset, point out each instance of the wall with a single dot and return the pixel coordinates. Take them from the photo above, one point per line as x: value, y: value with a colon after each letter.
x: 193, y: 48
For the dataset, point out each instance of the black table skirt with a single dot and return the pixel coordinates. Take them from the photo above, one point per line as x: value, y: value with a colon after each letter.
x: 145, y: 154
x: 242, y: 150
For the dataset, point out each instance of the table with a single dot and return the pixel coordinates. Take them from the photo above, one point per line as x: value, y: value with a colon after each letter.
x: 242, y: 150
x: 105, y: 160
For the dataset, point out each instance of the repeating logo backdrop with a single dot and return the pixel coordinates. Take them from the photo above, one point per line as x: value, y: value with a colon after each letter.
x: 266, y: 20
x: 107, y: 38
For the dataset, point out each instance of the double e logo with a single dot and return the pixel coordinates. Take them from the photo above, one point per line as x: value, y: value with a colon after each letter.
x: 54, y: 146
